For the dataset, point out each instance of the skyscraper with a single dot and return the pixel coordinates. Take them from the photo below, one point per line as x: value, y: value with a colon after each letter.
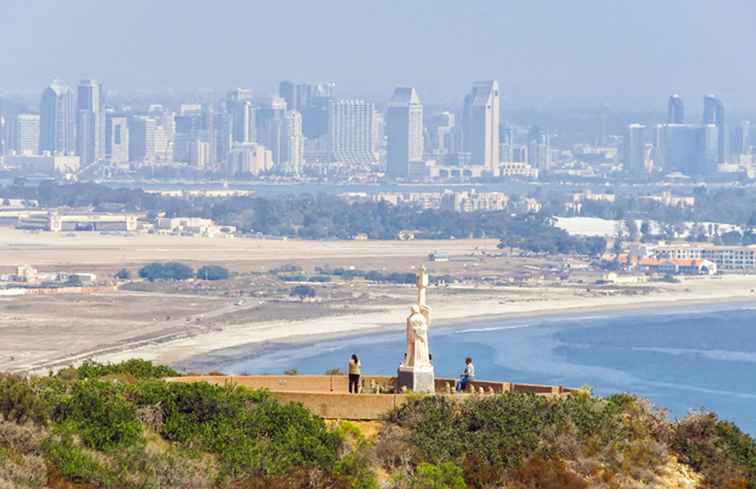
x: 482, y: 112
x: 675, y: 110
x: 539, y: 149
x: 292, y: 154
x: 27, y: 134
x: 311, y: 100
x: 687, y: 148
x: 299, y: 96
x: 714, y: 113
x: 270, y: 120
x: 350, y: 130
x: 634, y: 150
x: 242, y: 112
x: 404, y: 124
x: 117, y: 138
x: 507, y: 143
x: 57, y: 119
x: 603, y: 139
x: 148, y: 140
x: 90, y: 117
x: 741, y: 140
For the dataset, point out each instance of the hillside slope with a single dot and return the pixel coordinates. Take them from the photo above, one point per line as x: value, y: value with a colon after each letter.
x: 120, y: 426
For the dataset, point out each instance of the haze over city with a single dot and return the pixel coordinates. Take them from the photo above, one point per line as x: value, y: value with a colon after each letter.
x: 401, y: 244
x: 541, y: 51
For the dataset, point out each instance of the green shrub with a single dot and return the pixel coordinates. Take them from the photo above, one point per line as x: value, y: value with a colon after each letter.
x: 19, y: 402
x: 212, y: 272
x: 137, y: 368
x: 166, y: 271
x: 75, y: 463
x: 100, y: 414
x: 428, y: 476
x: 718, y: 449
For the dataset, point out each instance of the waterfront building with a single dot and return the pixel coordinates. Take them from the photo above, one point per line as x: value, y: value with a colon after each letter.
x: 117, y: 138
x: 714, y: 113
x: 404, y: 128
x: 675, y: 110
x: 91, y: 122
x: 634, y: 150
x: 57, y: 120
x: 482, y: 111
x: 350, y: 131
x: 27, y: 134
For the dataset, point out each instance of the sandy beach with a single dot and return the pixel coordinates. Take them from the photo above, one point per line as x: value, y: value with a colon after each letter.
x: 504, y: 303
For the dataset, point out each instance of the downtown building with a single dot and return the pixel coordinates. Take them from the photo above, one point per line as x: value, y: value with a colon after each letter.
x: 57, y: 120
x: 351, y: 131
x: 117, y: 138
x: 90, y: 117
x: 26, y: 137
x: 481, y: 125
x: 280, y: 130
x: 404, y: 130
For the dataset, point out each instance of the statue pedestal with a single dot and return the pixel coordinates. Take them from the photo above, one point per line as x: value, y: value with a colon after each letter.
x: 416, y: 379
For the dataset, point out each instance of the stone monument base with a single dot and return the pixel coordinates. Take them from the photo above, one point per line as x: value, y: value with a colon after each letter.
x: 416, y: 379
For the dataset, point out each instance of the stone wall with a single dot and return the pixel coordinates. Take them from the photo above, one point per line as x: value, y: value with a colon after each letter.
x: 327, y: 395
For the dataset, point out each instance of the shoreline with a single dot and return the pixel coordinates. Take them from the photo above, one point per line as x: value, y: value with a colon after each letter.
x: 216, y: 359
x: 227, y: 342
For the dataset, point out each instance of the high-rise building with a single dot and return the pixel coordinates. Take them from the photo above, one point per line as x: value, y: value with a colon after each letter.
x: 90, y: 113
x: 242, y: 113
x: 292, y: 151
x: 714, y: 113
x: 675, y: 110
x: 404, y: 130
x: 482, y: 112
x: 507, y: 144
x: 687, y: 148
x: 27, y: 134
x: 634, y: 150
x: 57, y: 119
x: 741, y: 140
x: 248, y: 159
x: 148, y: 140
x: 117, y: 138
x: 299, y: 96
x: 603, y: 139
x: 311, y: 100
x: 441, y: 134
x: 539, y: 149
x: 350, y: 130
x: 270, y: 121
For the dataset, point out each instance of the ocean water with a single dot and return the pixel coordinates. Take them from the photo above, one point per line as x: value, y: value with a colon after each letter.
x: 682, y: 360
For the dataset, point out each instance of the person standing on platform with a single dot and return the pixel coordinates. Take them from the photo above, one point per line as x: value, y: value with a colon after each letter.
x: 355, y: 370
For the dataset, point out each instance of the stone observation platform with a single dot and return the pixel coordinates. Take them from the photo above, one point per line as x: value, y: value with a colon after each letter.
x: 327, y: 396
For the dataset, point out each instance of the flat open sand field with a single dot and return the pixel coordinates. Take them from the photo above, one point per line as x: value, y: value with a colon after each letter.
x: 44, y: 249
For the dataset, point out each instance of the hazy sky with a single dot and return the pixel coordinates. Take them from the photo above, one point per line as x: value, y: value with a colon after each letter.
x: 610, y: 49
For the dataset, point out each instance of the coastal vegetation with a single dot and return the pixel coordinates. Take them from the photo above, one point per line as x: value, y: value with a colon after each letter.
x: 323, y: 216
x: 121, y: 426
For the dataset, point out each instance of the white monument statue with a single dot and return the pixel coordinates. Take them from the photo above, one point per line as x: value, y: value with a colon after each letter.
x: 416, y: 372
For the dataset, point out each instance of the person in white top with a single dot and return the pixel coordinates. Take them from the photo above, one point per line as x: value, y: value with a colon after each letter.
x: 467, y: 375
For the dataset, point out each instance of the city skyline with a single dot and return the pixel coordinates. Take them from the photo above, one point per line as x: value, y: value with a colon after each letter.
x: 558, y: 62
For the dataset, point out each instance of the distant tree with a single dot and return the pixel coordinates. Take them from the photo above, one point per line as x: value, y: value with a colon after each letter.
x: 732, y: 238
x: 303, y: 292
x: 212, y: 272
x: 123, y: 274
x: 166, y: 271
x: 334, y: 371
x: 645, y: 228
x: 74, y: 281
